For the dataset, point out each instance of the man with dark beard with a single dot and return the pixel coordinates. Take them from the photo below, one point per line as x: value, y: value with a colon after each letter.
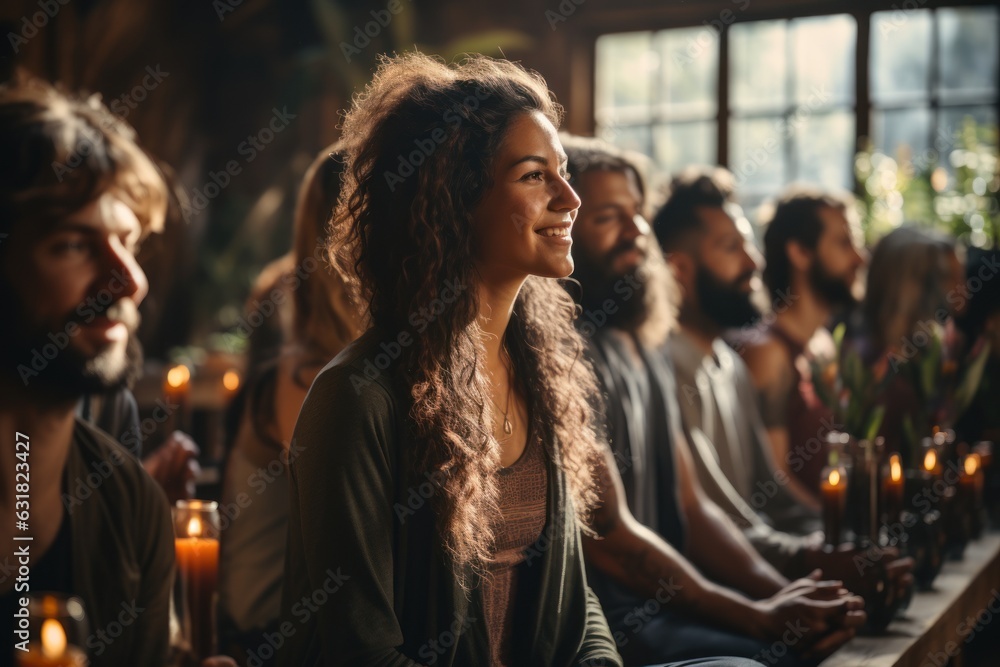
x: 670, y: 591
x: 812, y: 265
x: 714, y: 266
x: 76, y: 197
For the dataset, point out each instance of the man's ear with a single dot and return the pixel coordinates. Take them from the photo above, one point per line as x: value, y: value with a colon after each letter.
x: 798, y: 256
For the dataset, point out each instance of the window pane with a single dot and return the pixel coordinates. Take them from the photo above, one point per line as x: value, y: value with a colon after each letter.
x: 689, y: 64
x: 757, y: 65
x: 823, y: 50
x: 632, y: 138
x: 968, y: 49
x: 900, y: 55
x: 756, y: 153
x: 824, y: 149
x: 908, y: 130
x: 680, y: 144
x: 625, y: 64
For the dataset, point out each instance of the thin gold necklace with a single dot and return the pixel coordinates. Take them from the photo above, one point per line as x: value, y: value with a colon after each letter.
x: 507, y: 428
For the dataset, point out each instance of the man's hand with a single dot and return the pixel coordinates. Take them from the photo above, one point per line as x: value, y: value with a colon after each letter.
x: 174, y: 466
x: 812, y: 616
x: 859, y: 569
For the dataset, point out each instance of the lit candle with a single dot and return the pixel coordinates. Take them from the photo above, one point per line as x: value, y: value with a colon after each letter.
x: 834, y: 492
x: 198, y: 567
x: 892, y: 488
x: 176, y: 387
x: 971, y: 480
x: 52, y: 650
x: 932, y: 465
x: 231, y: 382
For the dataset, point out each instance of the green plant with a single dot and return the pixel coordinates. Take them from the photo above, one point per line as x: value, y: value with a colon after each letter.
x: 919, y: 188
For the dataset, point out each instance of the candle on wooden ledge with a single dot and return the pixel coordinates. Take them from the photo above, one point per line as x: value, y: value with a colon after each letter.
x: 931, y: 463
x: 971, y: 479
x: 833, y: 490
x: 176, y: 389
x: 196, y: 523
x: 892, y: 488
x: 49, y: 645
x: 231, y: 382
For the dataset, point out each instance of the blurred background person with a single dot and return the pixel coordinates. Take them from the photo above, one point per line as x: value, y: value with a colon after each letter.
x: 980, y: 324
x: 914, y: 292
x: 812, y: 260
x: 715, y: 265
x: 312, y: 323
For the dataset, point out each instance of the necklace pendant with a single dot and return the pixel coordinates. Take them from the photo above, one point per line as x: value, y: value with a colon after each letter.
x: 507, y: 427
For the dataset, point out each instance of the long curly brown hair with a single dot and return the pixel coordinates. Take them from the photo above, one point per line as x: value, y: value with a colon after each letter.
x: 420, y: 145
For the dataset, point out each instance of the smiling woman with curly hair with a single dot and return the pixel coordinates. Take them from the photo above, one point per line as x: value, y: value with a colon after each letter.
x: 447, y: 455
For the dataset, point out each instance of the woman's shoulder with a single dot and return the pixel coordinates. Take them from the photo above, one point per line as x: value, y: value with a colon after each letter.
x: 364, y: 373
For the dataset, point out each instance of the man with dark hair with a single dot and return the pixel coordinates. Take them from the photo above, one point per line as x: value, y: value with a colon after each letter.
x: 712, y: 260
x: 77, y: 195
x: 711, y: 593
x: 813, y: 260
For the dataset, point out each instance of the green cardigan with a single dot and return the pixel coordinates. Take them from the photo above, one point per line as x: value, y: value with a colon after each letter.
x: 366, y: 580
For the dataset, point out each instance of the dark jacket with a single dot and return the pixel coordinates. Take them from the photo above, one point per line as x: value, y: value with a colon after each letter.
x: 641, y: 421
x: 366, y: 579
x: 123, y: 551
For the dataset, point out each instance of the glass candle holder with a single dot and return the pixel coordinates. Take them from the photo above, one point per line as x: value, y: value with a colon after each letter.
x: 55, y: 630
x: 196, y: 530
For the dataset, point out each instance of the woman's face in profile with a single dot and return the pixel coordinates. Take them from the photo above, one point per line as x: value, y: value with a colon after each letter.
x: 523, y: 225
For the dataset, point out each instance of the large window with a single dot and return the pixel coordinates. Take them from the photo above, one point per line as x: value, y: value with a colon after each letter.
x: 929, y: 72
x: 656, y: 93
x: 791, y: 91
x: 789, y: 108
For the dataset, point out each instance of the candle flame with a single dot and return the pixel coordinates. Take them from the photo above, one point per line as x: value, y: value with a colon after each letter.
x: 231, y: 380
x: 930, y: 460
x: 53, y: 639
x: 194, y: 527
x: 971, y: 464
x: 178, y: 376
x: 895, y: 468
x: 834, y: 478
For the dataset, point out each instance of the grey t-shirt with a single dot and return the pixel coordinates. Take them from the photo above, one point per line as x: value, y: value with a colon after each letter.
x: 721, y: 418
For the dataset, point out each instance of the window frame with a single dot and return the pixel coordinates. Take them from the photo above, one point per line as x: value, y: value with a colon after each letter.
x: 722, y: 14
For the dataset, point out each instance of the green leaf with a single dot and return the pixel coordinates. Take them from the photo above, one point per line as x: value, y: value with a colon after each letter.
x: 875, y: 422
x: 970, y: 381
x: 838, y: 335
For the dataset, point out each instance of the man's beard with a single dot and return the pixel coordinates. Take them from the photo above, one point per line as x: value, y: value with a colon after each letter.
x: 831, y: 289
x: 725, y: 304
x: 640, y: 297
x: 66, y: 374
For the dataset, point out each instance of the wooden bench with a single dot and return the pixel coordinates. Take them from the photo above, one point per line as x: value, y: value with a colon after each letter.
x: 935, y: 627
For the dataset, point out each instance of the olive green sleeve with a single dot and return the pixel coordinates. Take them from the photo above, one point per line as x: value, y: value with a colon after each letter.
x: 342, y: 522
x: 598, y: 649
